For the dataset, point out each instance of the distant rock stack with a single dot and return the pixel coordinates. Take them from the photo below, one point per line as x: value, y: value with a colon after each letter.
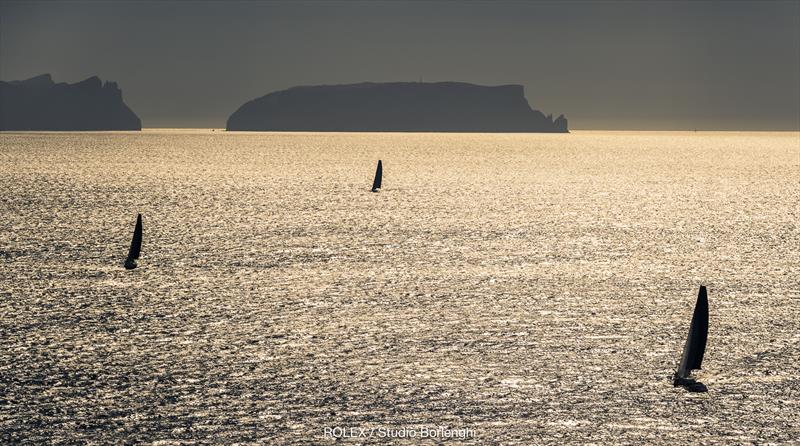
x: 136, y: 245
x: 560, y: 124
x: 695, y: 347
x: 395, y: 107
x: 40, y: 104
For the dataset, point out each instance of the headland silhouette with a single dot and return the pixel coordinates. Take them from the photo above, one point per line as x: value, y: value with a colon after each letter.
x: 40, y: 104
x: 395, y: 107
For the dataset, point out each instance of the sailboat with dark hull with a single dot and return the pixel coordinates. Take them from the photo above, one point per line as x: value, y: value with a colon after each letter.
x: 376, y: 183
x: 695, y: 346
x: 136, y: 244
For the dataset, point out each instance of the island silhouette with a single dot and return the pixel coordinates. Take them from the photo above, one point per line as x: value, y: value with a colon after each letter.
x: 395, y: 107
x: 40, y: 104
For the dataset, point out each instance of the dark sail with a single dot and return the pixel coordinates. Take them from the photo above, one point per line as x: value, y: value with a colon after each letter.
x: 136, y: 243
x: 695, y: 346
x: 378, y: 177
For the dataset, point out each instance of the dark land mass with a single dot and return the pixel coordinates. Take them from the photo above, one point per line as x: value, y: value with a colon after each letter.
x: 395, y: 107
x: 40, y: 104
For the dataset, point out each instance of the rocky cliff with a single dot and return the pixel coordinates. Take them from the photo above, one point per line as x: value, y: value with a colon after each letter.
x: 40, y: 104
x: 395, y: 107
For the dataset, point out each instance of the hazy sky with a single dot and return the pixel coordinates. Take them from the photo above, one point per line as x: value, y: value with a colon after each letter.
x: 605, y: 65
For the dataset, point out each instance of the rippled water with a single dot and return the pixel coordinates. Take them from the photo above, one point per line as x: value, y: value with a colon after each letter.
x: 532, y: 288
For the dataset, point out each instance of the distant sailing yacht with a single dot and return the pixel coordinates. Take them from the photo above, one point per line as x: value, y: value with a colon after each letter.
x: 136, y: 244
x: 376, y: 184
x: 695, y: 346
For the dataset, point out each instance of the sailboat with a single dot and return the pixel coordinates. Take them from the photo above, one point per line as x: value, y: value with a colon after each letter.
x: 376, y: 184
x: 136, y: 244
x: 695, y: 346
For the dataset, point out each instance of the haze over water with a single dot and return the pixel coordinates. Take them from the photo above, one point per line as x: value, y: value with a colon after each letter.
x: 536, y: 288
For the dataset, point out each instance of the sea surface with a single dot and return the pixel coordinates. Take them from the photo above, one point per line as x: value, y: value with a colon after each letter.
x: 529, y: 288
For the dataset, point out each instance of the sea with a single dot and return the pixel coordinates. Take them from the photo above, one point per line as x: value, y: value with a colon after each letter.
x: 514, y: 289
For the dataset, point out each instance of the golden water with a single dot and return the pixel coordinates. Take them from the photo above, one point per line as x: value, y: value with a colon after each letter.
x: 534, y: 288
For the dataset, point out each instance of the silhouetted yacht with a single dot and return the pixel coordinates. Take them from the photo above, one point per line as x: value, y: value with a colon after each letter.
x: 136, y: 244
x: 695, y: 346
x: 376, y: 184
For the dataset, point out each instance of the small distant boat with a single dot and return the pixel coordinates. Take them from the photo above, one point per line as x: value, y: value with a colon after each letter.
x: 695, y: 346
x: 376, y: 184
x: 136, y: 244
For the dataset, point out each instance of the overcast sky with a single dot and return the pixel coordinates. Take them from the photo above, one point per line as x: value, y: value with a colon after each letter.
x: 605, y: 65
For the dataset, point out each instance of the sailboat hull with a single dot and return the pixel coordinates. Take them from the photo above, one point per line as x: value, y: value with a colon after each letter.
x: 130, y: 263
